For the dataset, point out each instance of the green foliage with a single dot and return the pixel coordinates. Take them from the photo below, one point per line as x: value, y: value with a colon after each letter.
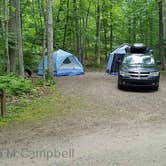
x: 48, y: 82
x: 15, y: 85
x: 31, y: 60
x: 2, y: 65
x: 39, y: 82
x: 36, y: 110
x: 128, y: 21
x: 92, y: 65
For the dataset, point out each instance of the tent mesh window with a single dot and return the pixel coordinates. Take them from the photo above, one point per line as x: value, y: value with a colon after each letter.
x: 67, y: 61
x: 69, y: 64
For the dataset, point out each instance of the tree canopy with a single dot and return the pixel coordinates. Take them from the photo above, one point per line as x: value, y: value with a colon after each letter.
x: 88, y: 28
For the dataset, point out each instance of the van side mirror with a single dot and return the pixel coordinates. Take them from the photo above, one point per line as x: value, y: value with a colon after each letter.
x: 158, y: 62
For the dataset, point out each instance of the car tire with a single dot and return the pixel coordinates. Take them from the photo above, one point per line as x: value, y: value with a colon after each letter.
x: 156, y: 88
x: 120, y: 86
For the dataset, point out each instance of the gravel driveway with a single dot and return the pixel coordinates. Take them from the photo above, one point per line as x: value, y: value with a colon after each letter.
x: 113, y: 128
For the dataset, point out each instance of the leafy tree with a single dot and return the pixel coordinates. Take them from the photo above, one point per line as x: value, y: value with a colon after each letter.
x: 50, y: 37
x: 87, y: 28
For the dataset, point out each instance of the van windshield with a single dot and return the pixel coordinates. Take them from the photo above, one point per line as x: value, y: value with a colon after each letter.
x: 139, y: 59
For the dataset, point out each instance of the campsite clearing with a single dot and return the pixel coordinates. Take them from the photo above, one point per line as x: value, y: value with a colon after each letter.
x: 112, y: 127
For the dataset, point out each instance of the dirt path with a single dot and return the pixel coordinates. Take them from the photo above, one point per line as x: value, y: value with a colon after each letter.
x: 113, y: 128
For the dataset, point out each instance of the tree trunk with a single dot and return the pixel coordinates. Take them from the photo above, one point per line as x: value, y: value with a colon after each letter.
x: 134, y: 27
x: 50, y: 38
x: 81, y: 38
x: 19, y: 39
x: 58, y: 21
x: 43, y: 25
x: 43, y: 57
x: 129, y: 30
x: 104, y: 24
x: 77, y: 29
x: 33, y: 16
x: 66, y: 25
x: 105, y: 38
x: 98, y: 24
x: 6, y: 36
x: 85, y: 30
x: 162, y: 33
x: 111, y: 29
x: 111, y: 37
x: 13, y: 36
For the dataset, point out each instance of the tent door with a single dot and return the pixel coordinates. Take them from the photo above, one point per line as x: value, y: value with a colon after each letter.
x: 115, y: 65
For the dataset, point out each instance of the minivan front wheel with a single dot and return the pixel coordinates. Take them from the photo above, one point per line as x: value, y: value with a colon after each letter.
x: 120, y: 86
x: 156, y: 88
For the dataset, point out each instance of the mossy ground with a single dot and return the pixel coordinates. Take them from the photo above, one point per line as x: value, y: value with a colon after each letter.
x: 37, y: 108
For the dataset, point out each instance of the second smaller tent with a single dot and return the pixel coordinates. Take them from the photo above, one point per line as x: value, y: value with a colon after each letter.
x: 118, y: 54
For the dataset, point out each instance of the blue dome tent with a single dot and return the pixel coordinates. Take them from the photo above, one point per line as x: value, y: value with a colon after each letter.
x: 65, y: 64
x: 117, y: 54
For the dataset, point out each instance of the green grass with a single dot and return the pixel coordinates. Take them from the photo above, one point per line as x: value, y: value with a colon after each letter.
x: 38, y: 109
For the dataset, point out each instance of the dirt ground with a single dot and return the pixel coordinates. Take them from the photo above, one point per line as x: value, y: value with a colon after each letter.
x: 113, y: 128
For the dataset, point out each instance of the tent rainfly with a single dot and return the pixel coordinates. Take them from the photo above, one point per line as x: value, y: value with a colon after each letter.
x: 64, y: 64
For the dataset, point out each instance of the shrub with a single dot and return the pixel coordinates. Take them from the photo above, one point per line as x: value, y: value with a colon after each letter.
x: 14, y: 85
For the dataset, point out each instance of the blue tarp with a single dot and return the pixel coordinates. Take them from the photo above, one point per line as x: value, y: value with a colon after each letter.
x: 64, y: 63
x: 112, y: 66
